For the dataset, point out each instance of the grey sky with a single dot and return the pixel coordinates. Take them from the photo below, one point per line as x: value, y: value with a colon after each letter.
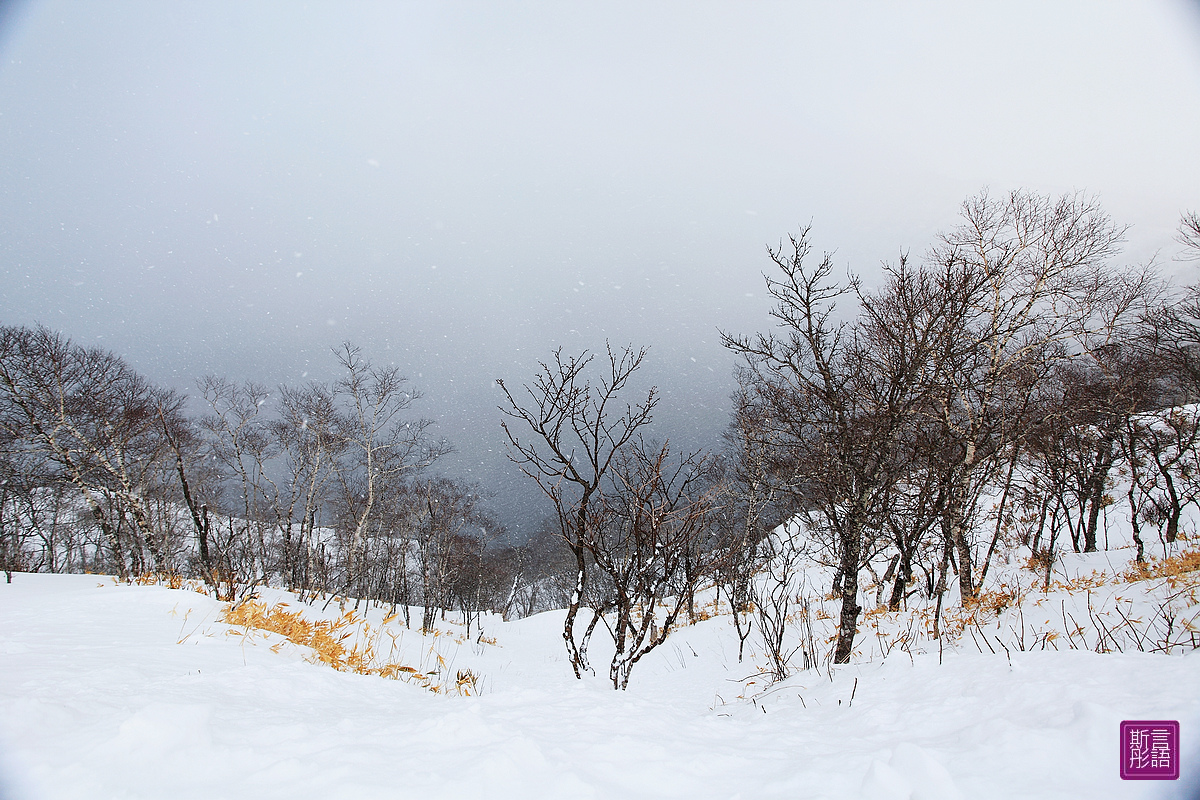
x: 235, y: 187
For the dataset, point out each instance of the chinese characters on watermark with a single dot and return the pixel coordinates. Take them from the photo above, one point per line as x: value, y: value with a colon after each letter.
x: 1149, y: 750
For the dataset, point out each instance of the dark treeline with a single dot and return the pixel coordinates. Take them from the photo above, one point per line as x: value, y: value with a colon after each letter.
x: 1015, y: 388
x: 989, y: 397
x: 326, y: 489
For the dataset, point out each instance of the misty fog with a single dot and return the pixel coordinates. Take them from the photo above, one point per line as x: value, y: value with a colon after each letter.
x: 461, y: 188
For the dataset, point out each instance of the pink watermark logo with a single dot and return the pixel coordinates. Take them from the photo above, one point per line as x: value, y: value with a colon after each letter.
x: 1149, y: 750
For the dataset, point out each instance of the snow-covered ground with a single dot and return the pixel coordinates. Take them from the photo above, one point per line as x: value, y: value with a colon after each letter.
x: 119, y: 691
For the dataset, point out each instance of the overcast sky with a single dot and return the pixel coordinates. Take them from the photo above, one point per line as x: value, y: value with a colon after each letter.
x: 234, y: 188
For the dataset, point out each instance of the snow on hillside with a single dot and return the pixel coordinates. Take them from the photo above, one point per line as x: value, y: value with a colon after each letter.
x: 124, y: 691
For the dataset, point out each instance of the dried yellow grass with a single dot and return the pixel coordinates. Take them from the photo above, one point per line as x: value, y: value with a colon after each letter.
x: 993, y: 602
x: 168, y: 579
x: 1081, y: 583
x: 705, y: 611
x: 1178, y: 570
x: 347, y: 644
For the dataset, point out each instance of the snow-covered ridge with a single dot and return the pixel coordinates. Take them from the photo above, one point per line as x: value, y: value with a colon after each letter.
x: 117, y: 690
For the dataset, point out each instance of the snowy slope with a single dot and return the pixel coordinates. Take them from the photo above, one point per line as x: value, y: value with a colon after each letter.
x: 115, y: 691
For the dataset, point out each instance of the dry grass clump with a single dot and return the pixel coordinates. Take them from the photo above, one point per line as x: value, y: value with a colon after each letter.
x: 1081, y: 583
x: 1178, y: 570
x: 347, y: 644
x: 994, y: 602
x: 706, y: 611
x: 166, y: 579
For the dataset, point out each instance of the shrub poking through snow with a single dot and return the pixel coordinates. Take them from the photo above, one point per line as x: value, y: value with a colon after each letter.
x: 1150, y: 607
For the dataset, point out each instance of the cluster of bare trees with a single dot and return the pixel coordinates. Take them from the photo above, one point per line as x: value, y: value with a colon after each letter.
x: 81, y: 418
x: 1000, y: 387
x: 1013, y: 388
x: 994, y: 395
x: 323, y: 488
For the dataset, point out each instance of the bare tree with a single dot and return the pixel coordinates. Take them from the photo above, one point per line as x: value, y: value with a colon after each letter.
x: 1189, y: 233
x: 199, y: 485
x: 446, y: 521
x: 645, y: 544
x: 1021, y: 276
x: 307, y: 433
x: 1171, y: 439
x: 757, y: 492
x: 773, y: 594
x: 22, y: 480
x: 479, y: 577
x: 838, y: 395
x: 578, y: 430
x: 915, y: 506
x: 86, y: 412
x: 381, y: 447
x: 241, y: 445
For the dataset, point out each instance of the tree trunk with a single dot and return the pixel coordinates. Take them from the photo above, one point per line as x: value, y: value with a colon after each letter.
x: 575, y: 655
x: 851, y: 541
x: 987, y: 559
x: 958, y: 535
x: 1096, y: 492
x: 113, y: 536
x: 956, y: 510
x: 903, y: 576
